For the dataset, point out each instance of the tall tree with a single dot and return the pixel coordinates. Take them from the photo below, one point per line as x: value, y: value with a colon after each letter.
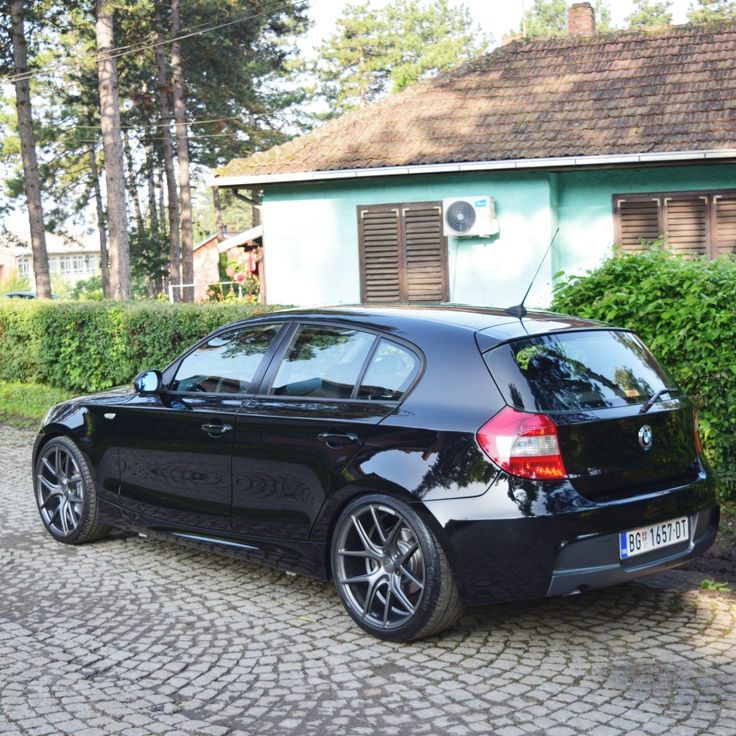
x: 603, y: 20
x: 31, y: 178
x: 162, y: 93
x: 545, y: 18
x: 375, y: 51
x: 182, y: 155
x: 703, y: 11
x: 650, y: 14
x: 117, y: 216
x: 101, y: 220
x: 549, y: 18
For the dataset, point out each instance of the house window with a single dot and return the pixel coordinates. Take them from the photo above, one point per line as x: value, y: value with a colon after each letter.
x: 24, y: 266
x: 691, y: 223
x: 403, y: 254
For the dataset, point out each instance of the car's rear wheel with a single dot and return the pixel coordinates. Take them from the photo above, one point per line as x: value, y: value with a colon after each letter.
x: 65, y: 493
x: 391, y: 572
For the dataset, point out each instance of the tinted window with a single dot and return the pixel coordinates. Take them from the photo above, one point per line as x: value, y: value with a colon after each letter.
x: 323, y: 362
x: 226, y: 363
x: 390, y: 372
x: 576, y: 371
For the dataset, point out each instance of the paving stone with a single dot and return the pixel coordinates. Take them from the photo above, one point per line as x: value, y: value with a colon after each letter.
x: 139, y: 637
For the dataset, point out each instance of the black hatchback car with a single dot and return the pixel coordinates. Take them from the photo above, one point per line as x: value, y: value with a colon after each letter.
x: 422, y: 458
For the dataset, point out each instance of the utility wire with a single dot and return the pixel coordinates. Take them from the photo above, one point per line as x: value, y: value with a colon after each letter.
x: 153, y: 125
x: 116, y: 53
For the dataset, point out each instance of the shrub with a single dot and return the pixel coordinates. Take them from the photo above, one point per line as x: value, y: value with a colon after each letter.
x: 89, y: 346
x: 685, y: 311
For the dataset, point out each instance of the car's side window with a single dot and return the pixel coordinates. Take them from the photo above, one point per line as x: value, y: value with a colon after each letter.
x: 225, y: 364
x: 391, y: 371
x: 323, y: 362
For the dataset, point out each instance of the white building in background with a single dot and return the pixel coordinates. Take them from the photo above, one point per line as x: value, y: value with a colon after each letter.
x: 70, y: 259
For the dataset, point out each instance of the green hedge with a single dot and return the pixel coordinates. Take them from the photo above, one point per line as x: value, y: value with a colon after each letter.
x: 685, y: 310
x: 89, y: 346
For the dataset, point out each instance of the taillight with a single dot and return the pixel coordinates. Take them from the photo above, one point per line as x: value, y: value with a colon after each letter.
x: 696, y: 434
x: 523, y: 444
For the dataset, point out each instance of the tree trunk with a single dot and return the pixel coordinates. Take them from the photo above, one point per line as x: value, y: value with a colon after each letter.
x: 168, y: 151
x: 101, y: 224
x: 219, y: 227
x: 117, y: 216
x: 151, y: 184
x: 182, y: 154
x: 133, y: 187
x: 31, y: 179
x: 162, y: 207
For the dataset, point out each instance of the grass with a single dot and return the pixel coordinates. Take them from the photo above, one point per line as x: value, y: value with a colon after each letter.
x: 26, y: 404
x: 713, y: 585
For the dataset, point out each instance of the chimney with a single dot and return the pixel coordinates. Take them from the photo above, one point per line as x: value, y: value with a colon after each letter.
x: 581, y: 20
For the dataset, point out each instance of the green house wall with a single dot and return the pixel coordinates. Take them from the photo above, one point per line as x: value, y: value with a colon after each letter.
x: 311, y: 230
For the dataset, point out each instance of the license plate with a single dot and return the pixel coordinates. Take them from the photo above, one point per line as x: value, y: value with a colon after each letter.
x: 655, y: 536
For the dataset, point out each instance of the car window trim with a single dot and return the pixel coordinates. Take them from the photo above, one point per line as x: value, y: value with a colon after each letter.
x: 270, y: 375
x: 171, y: 370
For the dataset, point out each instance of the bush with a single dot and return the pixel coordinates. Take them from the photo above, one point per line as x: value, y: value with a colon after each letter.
x: 89, y: 346
x: 684, y: 311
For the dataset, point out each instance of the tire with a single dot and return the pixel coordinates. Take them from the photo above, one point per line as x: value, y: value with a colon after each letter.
x: 65, y: 493
x: 391, y: 572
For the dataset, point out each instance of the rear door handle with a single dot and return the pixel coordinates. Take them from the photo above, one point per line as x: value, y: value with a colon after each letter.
x: 216, y: 430
x: 335, y: 440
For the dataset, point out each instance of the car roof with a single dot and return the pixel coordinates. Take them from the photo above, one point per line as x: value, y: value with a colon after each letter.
x: 491, y: 325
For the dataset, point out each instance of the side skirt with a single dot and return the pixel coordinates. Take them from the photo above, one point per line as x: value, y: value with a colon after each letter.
x: 298, y: 556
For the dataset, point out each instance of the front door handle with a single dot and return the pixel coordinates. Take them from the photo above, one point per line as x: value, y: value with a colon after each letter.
x: 335, y: 440
x: 216, y: 430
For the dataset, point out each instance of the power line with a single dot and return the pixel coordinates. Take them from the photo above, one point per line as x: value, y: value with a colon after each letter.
x: 155, y: 125
x: 189, y: 137
x: 134, y: 49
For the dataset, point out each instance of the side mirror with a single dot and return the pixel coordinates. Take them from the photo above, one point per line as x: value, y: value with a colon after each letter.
x: 148, y: 382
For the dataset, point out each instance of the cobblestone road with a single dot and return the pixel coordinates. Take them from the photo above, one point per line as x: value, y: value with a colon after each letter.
x: 136, y: 636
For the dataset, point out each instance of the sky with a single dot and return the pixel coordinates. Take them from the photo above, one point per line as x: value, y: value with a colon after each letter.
x: 494, y: 16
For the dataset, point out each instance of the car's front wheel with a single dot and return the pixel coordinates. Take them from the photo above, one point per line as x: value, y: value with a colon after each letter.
x: 391, y: 572
x: 65, y: 493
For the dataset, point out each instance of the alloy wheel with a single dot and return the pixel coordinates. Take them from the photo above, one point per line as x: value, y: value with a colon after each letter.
x: 59, y: 490
x: 380, y: 566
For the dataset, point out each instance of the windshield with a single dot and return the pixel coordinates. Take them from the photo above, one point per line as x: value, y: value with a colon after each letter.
x: 572, y: 371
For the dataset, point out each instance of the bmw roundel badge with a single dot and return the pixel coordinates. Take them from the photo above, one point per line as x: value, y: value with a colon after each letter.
x: 646, y: 437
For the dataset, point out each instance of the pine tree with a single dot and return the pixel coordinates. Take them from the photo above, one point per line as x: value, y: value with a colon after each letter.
x: 31, y: 177
x: 545, y: 18
x: 549, y: 18
x: 117, y: 216
x: 703, y: 11
x: 650, y: 14
x: 379, y: 50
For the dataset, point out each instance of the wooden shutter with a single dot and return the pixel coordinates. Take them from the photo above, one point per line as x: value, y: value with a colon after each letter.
x: 425, y: 254
x: 637, y: 222
x: 403, y: 254
x: 724, y: 207
x: 379, y: 239
x: 686, y: 223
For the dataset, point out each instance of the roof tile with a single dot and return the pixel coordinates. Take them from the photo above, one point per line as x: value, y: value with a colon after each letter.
x: 623, y: 92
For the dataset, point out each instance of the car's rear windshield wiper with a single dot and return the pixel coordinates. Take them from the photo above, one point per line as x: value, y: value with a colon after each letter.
x: 655, y: 398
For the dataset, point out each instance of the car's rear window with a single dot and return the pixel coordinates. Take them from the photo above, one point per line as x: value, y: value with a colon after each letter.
x: 576, y: 371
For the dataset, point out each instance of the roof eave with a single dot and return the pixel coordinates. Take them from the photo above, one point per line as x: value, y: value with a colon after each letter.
x: 259, y: 180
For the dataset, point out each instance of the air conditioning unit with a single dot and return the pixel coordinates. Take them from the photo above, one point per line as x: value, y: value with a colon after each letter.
x: 466, y: 217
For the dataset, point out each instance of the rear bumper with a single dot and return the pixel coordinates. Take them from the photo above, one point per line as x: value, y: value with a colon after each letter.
x: 592, y: 563
x: 523, y: 540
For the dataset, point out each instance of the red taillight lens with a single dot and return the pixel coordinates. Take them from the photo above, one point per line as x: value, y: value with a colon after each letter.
x: 696, y: 434
x: 523, y: 444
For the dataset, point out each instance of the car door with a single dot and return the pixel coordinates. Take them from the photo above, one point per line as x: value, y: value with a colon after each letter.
x: 293, y: 440
x: 175, y: 447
